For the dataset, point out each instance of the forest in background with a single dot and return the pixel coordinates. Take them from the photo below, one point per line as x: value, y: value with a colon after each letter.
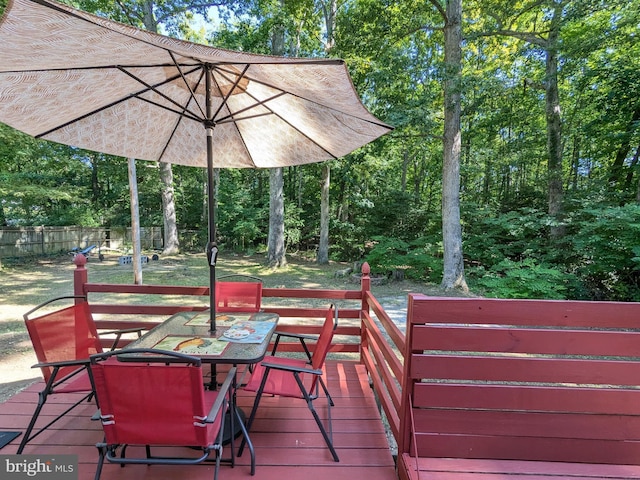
x: 386, y: 198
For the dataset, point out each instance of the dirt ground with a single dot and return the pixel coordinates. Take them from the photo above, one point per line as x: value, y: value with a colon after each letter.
x: 25, y: 286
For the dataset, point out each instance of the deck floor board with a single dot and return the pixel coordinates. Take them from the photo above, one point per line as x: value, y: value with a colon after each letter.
x: 287, y: 441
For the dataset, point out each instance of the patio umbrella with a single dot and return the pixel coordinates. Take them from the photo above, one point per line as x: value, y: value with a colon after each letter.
x: 78, y: 79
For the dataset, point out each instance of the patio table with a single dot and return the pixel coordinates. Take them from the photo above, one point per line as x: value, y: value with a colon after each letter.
x: 239, y: 339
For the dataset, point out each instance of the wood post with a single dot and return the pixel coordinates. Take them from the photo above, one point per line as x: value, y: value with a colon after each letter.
x: 80, y: 274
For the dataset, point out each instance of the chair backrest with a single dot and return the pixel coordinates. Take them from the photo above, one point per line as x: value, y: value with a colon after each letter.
x: 324, y: 340
x: 159, y: 402
x: 63, y: 335
x: 238, y: 296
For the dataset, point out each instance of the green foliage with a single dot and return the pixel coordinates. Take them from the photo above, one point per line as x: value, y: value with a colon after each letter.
x: 385, y: 198
x: 523, y: 279
x: 293, y: 224
x: 348, y: 241
x: 490, y: 236
x: 604, y: 242
x: 418, y: 260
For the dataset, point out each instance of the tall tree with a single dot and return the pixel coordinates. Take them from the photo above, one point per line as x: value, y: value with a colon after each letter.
x: 538, y: 22
x: 329, y: 11
x: 453, y: 273
x: 276, y: 252
x: 323, y: 244
x: 171, y: 241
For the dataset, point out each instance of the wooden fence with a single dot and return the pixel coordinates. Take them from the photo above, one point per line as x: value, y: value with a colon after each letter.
x: 44, y: 240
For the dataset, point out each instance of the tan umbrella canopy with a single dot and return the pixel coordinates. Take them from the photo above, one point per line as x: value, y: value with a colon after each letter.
x: 78, y: 79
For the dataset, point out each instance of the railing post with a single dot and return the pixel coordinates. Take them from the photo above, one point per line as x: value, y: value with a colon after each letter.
x: 365, y: 288
x: 365, y: 284
x: 80, y: 274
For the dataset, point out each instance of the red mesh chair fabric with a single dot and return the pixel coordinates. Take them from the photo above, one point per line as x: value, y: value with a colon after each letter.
x: 63, y: 335
x: 154, y: 404
x: 282, y: 382
x: 63, y: 341
x: 161, y: 402
x: 238, y: 296
x: 295, y: 378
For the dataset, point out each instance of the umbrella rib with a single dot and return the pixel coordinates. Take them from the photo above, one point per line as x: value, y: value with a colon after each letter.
x: 154, y: 89
x: 274, y: 87
x: 191, y: 92
x: 231, y: 90
x: 231, y: 116
x: 166, y: 145
x: 184, y: 114
x: 109, y: 105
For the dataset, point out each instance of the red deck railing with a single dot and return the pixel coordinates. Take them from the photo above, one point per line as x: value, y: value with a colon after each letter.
x: 364, y: 328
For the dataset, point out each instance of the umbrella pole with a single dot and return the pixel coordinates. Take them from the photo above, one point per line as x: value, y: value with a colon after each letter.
x: 212, y: 247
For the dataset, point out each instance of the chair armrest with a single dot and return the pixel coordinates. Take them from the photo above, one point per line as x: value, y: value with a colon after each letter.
x: 123, y: 330
x: 119, y: 333
x: 64, y: 363
x: 304, y: 336
x: 300, y: 336
x: 291, y: 368
x: 222, y: 396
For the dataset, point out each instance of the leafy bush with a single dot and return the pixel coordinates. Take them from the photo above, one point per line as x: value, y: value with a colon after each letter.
x: 521, y: 279
x: 605, y: 244
x: 419, y: 259
x: 347, y: 242
x: 491, y: 237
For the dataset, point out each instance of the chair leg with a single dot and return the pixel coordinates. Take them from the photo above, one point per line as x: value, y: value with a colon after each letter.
x: 101, y: 453
x: 256, y: 402
x: 218, y: 450
x: 42, y: 399
x: 327, y: 437
x: 246, y: 439
x: 326, y: 391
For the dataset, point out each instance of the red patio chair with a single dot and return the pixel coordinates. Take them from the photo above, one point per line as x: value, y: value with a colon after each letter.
x: 239, y: 296
x: 296, y: 378
x: 63, y: 341
x: 157, y: 402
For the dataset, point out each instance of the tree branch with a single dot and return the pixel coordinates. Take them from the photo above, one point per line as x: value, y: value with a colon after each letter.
x: 129, y: 13
x: 195, y: 6
x: 440, y: 9
x: 534, y: 38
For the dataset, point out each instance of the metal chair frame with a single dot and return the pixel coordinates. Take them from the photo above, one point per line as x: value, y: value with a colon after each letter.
x: 313, y: 366
x: 108, y: 450
x: 65, y: 374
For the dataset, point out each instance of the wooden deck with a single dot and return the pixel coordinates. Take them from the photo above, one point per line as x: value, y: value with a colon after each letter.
x: 474, y: 469
x: 287, y: 441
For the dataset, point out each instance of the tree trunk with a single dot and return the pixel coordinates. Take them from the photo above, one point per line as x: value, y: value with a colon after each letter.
x: 405, y: 167
x: 617, y: 169
x: 453, y: 276
x: 276, y: 255
x: 554, y: 128
x: 632, y: 168
x: 95, y: 186
x: 171, y: 242
x: 329, y: 10
x: 323, y: 247
x: 135, y: 222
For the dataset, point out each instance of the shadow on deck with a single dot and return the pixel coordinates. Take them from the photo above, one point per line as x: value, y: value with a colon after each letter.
x: 287, y: 441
